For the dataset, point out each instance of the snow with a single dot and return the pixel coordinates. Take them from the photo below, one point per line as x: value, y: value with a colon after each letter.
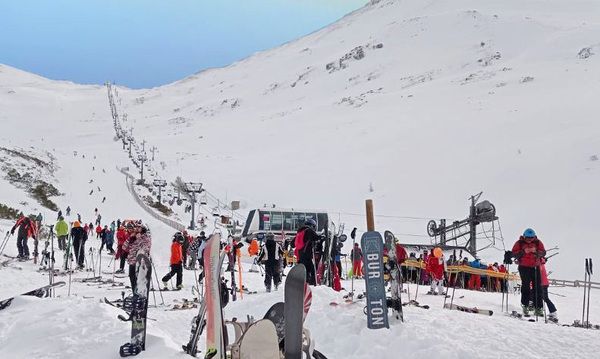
x: 462, y: 96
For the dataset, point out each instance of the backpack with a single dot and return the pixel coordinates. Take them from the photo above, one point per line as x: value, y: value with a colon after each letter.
x: 299, y: 243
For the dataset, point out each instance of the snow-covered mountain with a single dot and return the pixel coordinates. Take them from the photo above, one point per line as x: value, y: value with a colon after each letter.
x: 427, y: 102
x: 423, y: 102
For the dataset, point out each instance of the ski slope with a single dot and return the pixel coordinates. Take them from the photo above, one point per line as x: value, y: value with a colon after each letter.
x: 443, y: 99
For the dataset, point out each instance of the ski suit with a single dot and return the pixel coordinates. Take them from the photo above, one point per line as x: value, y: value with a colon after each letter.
x: 62, y: 232
x: 356, y: 256
x: 545, y: 284
x: 475, y: 279
x: 435, y: 268
x: 176, y: 263
x: 27, y: 229
x: 136, y: 243
x: 528, y: 254
x: 79, y: 236
x: 305, y: 254
x: 122, y: 236
x: 270, y: 254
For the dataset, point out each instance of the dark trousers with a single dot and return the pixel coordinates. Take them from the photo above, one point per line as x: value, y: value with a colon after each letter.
x: 79, y: 250
x: 132, y: 277
x: 22, y: 247
x: 531, y: 287
x: 272, y: 274
x: 175, y: 269
x: 62, y: 242
x: 551, y: 307
x: 310, y: 271
x: 122, y: 261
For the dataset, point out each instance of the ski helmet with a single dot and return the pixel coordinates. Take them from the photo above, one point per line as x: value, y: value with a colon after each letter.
x: 311, y: 223
x: 529, y: 233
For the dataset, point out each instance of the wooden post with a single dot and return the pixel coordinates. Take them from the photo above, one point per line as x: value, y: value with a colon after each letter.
x: 370, y: 218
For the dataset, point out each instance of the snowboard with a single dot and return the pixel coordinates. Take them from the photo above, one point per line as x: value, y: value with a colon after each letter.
x: 395, y: 280
x: 139, y: 307
x: 259, y: 341
x: 294, y: 311
x: 372, y: 248
x: 468, y: 309
x: 215, y: 342
x: 41, y: 292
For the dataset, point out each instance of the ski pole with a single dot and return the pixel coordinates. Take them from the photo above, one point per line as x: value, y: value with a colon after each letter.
x: 535, y: 290
x: 4, y: 242
x: 588, y: 293
x: 585, y: 278
x: 157, y: 281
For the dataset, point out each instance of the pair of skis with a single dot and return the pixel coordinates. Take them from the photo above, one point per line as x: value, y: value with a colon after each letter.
x: 41, y: 292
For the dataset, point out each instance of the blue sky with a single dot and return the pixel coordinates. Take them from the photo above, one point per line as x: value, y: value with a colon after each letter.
x: 145, y: 43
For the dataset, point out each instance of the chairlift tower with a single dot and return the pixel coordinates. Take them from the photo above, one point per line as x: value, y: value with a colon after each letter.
x: 479, y: 212
x: 160, y: 184
x: 192, y: 188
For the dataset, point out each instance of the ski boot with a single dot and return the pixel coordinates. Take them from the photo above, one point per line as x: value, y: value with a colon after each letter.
x: 525, y: 310
x: 165, y: 286
x: 553, y: 317
x: 179, y: 287
x: 538, y: 312
x: 210, y: 353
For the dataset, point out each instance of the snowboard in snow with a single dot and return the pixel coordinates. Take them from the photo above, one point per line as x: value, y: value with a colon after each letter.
x: 259, y: 341
x: 139, y: 307
x: 294, y: 311
x: 41, y: 292
x: 276, y: 314
x: 468, y: 309
x: 372, y: 248
x: 215, y: 343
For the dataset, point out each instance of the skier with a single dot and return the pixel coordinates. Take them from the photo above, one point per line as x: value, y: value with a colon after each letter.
x: 270, y: 254
x: 176, y: 262
x: 98, y: 231
x: 103, y: 237
x: 62, y: 232
x: 553, y: 315
x: 26, y: 229
x: 528, y: 251
x: 475, y: 279
x: 98, y: 219
x: 121, y: 255
x: 59, y: 215
x: 306, y: 237
x: 79, y: 236
x: 203, y: 244
x: 193, y: 252
x: 68, y: 211
x: 435, y: 268
x: 138, y: 242
x: 185, y: 245
x: 357, y: 257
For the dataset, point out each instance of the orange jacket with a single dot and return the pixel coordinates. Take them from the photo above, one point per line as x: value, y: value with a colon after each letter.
x: 253, y: 248
x: 176, y: 253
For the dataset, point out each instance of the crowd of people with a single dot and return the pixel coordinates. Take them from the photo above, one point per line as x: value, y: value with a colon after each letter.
x: 429, y: 268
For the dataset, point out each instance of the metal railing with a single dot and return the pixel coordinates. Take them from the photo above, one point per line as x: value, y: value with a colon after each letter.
x: 572, y: 283
x: 131, y: 188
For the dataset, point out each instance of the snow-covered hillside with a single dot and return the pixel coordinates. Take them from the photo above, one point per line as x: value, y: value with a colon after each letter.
x: 427, y: 101
x: 416, y: 104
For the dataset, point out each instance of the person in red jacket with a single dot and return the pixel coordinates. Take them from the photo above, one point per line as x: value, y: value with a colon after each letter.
x: 98, y: 231
x: 528, y: 251
x: 176, y: 261
x: 435, y: 268
x: 27, y: 228
x: 121, y: 255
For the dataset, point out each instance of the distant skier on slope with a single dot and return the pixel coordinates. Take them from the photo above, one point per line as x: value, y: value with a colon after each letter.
x: 528, y: 251
x: 270, y: 254
x: 27, y: 229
